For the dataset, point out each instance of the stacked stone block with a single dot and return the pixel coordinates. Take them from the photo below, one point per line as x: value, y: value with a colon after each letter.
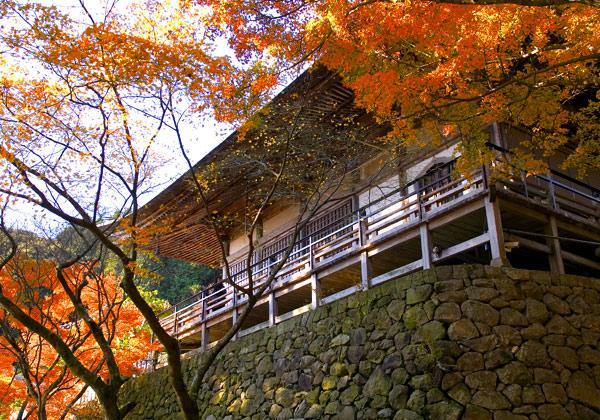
x: 469, y: 342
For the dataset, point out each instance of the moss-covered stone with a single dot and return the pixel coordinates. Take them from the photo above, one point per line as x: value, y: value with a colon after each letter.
x: 378, y: 384
x: 468, y: 341
x: 415, y: 316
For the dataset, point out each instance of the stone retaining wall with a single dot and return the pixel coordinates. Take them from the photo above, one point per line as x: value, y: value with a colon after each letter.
x: 468, y: 342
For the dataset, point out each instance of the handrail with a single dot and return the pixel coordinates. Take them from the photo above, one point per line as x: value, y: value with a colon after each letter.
x: 263, y: 269
x: 405, y: 186
x: 306, y: 245
x: 299, y: 240
x: 300, y: 249
x: 354, y: 217
x: 559, y: 174
x: 215, y: 280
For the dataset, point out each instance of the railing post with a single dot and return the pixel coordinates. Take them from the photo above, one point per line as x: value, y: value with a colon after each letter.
x: 203, y: 328
x: 420, y: 204
x: 365, y: 264
x: 311, y: 255
x: 175, y: 320
x: 154, y: 361
x: 362, y: 230
x: 153, y: 355
x: 485, y: 176
x: 524, y: 181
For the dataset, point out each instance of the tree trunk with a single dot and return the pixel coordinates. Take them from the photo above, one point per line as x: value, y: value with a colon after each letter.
x: 109, y: 402
x: 188, y: 405
x: 41, y: 410
x: 23, y: 409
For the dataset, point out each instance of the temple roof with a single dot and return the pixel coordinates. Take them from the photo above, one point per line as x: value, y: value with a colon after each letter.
x: 189, y: 237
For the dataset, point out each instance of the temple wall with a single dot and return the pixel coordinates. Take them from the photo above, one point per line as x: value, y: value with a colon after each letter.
x: 469, y: 342
x: 238, y: 243
x: 418, y: 169
x: 280, y: 220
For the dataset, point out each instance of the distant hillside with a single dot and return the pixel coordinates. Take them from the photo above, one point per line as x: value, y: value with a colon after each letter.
x: 176, y: 280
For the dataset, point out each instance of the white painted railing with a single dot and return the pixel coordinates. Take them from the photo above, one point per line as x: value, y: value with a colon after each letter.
x: 339, y: 239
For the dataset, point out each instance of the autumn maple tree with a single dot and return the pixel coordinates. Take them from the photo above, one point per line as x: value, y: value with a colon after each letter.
x: 34, y: 378
x: 442, y: 66
x: 82, y: 107
x: 87, y: 97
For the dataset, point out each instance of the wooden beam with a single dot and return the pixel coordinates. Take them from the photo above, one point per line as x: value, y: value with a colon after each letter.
x: 398, y: 272
x: 463, y: 246
x: 535, y: 211
x: 342, y: 254
x: 529, y: 243
x: 339, y: 295
x: 223, y: 315
x: 586, y: 232
x: 440, y: 219
x: 411, y: 230
x: 376, y: 238
x: 282, y: 291
x: 454, y: 204
x: 580, y: 260
x: 569, y: 256
x: 335, y: 266
x: 254, y: 328
x: 293, y: 313
x: 390, y: 242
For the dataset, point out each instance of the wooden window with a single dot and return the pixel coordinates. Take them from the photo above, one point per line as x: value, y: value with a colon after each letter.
x: 437, y: 176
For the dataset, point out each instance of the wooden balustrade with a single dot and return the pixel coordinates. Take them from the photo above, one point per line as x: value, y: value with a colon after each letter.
x: 335, y: 239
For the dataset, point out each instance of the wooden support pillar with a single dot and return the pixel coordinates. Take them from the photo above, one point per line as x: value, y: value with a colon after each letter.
x: 365, y: 264
x: 315, y: 291
x: 272, y: 309
x: 204, y: 336
x: 494, y: 225
x: 555, y: 257
x: 365, y: 271
x: 425, y: 246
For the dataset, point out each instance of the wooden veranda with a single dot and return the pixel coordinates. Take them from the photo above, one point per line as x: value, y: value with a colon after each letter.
x: 351, y: 248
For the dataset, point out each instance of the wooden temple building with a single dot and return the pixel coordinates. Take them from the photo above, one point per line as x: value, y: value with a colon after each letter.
x: 420, y: 214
